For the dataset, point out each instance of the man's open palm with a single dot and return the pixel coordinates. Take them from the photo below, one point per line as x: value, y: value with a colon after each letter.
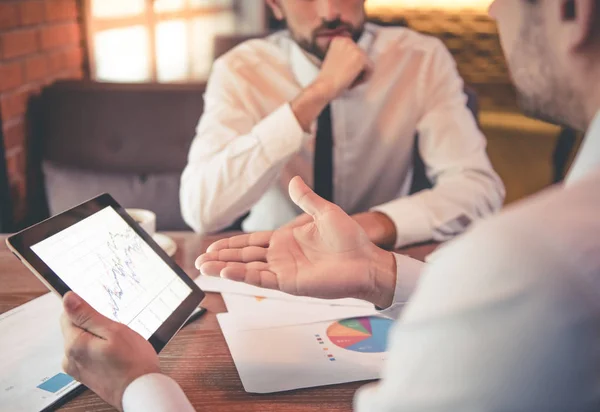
x: 328, y: 257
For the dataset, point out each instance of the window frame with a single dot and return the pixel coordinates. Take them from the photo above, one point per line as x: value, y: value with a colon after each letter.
x: 149, y: 19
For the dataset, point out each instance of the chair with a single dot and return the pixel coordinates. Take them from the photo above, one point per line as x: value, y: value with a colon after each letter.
x: 566, y: 142
x: 130, y: 140
x: 224, y: 43
x: 6, y: 211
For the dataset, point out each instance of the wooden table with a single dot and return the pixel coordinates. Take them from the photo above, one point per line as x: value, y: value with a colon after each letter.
x: 197, y: 358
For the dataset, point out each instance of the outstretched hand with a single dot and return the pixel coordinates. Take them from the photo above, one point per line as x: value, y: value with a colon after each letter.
x: 330, y: 256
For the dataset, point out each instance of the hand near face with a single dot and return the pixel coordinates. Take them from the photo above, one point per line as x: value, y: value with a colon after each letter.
x: 104, y: 355
x: 345, y: 66
x: 330, y: 256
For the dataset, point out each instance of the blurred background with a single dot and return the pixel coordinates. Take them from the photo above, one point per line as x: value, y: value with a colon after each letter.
x: 104, y: 95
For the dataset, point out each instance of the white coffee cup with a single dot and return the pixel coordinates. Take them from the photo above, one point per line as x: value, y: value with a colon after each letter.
x: 145, y: 218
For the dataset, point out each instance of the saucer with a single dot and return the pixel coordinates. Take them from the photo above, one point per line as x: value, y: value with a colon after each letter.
x: 166, y: 243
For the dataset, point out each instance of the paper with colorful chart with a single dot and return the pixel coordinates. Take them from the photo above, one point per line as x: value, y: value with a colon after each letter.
x: 301, y: 356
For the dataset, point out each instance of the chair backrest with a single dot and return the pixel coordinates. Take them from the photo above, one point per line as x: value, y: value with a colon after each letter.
x: 124, y: 128
x: 130, y: 140
x: 565, y: 145
x: 223, y: 43
x: 6, y: 210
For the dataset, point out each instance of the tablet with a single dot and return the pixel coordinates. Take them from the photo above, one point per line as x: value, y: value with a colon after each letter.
x: 99, y: 252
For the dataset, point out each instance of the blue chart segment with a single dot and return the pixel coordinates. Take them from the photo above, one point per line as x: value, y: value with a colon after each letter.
x: 366, y: 335
x: 56, y: 383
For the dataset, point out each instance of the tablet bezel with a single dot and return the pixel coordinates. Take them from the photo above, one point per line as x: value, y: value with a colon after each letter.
x: 21, y: 243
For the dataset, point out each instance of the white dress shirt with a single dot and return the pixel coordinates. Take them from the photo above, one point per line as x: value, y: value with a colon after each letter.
x: 249, y: 143
x: 505, y: 319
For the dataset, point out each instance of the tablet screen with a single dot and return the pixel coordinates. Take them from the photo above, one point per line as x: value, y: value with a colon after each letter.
x: 111, y: 267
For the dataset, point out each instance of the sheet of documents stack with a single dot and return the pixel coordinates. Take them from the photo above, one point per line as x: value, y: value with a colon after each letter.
x: 31, y: 352
x: 281, y: 342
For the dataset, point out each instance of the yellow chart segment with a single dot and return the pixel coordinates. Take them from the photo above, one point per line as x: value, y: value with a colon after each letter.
x: 340, y: 330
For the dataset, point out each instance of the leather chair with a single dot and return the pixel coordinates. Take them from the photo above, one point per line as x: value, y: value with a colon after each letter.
x: 6, y: 212
x: 130, y: 140
x: 565, y: 144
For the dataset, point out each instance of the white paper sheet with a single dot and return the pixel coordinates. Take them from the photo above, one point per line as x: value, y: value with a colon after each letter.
x: 293, y: 357
x: 220, y: 285
x: 259, y: 312
x: 31, y: 352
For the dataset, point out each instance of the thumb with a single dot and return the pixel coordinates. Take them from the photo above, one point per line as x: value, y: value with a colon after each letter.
x: 306, y: 199
x: 82, y: 315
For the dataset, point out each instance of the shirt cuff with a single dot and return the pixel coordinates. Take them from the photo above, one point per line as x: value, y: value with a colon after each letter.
x: 280, y: 134
x: 155, y: 392
x: 408, y: 273
x: 411, y: 220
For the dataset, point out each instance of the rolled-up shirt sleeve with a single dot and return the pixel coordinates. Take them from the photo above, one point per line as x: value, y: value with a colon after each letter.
x: 234, y: 158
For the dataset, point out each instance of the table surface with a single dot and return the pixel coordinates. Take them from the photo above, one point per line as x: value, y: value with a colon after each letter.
x: 198, y: 357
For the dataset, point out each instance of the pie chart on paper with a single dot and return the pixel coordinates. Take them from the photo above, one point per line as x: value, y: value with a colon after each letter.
x: 366, y: 335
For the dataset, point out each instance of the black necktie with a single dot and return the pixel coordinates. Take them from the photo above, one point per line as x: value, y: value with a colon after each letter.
x: 323, y: 170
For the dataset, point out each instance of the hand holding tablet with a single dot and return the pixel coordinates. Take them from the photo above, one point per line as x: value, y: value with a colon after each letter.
x: 98, y: 251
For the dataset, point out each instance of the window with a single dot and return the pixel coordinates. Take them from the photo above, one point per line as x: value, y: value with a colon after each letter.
x: 163, y: 40
x: 382, y: 5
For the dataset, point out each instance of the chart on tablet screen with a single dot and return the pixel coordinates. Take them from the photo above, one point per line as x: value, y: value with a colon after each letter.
x: 110, y: 266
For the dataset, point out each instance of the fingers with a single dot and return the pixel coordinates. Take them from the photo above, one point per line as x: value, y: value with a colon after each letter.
x: 69, y: 331
x: 83, y: 316
x: 260, y: 239
x: 252, y: 241
x: 76, y: 343
x: 245, y: 255
x: 216, y: 268
x: 213, y: 268
x: 306, y: 199
x: 252, y: 274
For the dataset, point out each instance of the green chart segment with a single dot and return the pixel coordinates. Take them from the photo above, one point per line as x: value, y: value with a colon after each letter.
x: 366, y: 335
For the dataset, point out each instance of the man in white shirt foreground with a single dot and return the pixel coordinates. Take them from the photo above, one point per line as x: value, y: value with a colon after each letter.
x: 506, y: 318
x: 338, y: 102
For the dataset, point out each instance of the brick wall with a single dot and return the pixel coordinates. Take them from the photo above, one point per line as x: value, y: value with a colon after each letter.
x: 40, y: 42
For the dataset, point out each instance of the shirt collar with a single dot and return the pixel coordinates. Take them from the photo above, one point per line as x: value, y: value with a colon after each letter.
x: 588, y: 157
x: 304, y: 67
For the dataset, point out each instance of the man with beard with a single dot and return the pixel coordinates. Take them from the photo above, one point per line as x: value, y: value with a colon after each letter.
x: 505, y: 318
x: 338, y: 101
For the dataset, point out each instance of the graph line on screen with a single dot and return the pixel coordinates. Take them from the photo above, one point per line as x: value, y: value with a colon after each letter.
x: 111, y: 267
x: 124, y: 249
